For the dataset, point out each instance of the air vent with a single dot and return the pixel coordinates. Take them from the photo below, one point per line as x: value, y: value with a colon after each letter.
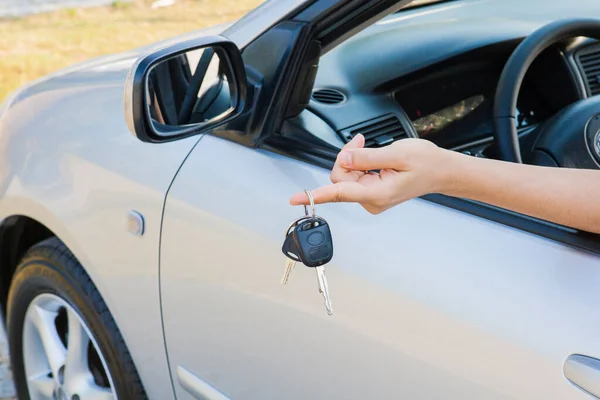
x: 378, y: 132
x: 590, y: 63
x: 328, y: 96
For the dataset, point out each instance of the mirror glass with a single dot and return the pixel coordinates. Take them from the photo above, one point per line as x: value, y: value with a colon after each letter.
x: 189, y: 89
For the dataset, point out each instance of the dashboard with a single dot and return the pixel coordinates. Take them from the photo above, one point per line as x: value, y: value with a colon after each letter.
x: 436, y: 74
x: 453, y: 106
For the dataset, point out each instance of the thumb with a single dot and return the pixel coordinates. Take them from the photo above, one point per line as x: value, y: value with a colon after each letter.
x: 342, y: 192
x: 357, y: 142
x: 368, y: 158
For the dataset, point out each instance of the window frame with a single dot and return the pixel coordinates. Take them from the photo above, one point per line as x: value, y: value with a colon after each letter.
x: 327, y: 22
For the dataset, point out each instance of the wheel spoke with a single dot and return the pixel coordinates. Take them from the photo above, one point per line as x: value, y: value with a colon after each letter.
x: 77, y: 372
x: 43, y: 385
x: 55, y: 350
x: 55, y: 369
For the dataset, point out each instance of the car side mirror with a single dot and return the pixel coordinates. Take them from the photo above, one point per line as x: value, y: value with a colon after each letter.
x: 185, y: 89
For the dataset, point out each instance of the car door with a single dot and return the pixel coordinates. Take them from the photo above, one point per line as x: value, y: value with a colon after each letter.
x: 429, y: 302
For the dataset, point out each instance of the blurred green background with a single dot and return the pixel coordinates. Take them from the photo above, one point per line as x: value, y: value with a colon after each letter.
x: 35, y: 45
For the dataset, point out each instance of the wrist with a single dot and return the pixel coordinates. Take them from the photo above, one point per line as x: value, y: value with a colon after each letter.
x: 455, y: 168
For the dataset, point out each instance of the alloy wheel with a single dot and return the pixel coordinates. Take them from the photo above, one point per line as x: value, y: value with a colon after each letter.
x: 62, y: 359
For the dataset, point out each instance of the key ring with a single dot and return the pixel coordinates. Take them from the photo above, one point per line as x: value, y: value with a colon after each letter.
x: 287, y: 231
x: 312, y: 204
x: 294, y: 223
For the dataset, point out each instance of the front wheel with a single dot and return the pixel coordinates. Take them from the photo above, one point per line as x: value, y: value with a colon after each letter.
x: 64, y: 343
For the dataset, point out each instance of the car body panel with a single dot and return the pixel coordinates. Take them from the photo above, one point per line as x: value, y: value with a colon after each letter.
x: 428, y: 302
x: 70, y: 163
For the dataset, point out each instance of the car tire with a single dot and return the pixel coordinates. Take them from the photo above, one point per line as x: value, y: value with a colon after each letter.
x: 50, y: 277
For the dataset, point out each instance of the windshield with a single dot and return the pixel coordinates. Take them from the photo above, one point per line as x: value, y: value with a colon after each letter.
x: 269, y: 12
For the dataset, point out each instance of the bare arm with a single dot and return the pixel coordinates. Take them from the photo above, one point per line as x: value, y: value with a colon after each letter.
x: 564, y: 196
x: 413, y: 167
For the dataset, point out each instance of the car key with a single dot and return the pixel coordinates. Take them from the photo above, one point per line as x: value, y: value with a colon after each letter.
x: 312, y: 242
x: 315, y: 249
x: 289, y: 249
x: 291, y: 258
x: 308, y: 240
x: 324, y: 288
x: 289, y: 266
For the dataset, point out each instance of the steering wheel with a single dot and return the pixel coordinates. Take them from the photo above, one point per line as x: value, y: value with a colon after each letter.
x: 571, y: 138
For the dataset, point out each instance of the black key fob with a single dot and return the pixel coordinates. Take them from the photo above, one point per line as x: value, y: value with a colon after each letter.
x: 313, y: 242
x: 289, y: 247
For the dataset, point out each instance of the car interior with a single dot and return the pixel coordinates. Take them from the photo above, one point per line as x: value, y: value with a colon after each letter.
x: 439, y: 81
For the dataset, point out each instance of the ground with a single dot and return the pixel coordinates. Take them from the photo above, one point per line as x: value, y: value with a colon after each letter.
x: 7, y: 389
x: 12, y: 8
x: 34, y: 46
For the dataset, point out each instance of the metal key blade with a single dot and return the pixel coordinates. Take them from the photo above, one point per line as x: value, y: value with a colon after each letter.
x: 289, y: 266
x: 324, y: 289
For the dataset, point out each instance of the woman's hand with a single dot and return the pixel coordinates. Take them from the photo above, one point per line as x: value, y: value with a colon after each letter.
x: 409, y: 168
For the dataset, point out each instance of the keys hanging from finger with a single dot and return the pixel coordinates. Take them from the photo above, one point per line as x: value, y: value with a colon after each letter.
x: 308, y: 240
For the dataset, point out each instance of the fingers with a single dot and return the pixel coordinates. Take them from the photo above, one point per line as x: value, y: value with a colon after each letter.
x: 343, y: 192
x: 299, y: 199
x: 367, y: 159
x: 339, y: 173
x: 357, y: 142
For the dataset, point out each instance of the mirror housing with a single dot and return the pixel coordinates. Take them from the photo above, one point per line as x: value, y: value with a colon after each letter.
x: 168, y: 96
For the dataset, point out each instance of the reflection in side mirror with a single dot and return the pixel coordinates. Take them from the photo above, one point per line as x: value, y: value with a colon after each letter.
x: 184, y: 91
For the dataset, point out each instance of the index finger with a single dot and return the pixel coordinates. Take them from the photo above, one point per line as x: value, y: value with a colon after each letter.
x: 342, y: 192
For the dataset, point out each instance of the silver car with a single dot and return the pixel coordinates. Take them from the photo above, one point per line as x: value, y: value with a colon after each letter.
x: 145, y: 195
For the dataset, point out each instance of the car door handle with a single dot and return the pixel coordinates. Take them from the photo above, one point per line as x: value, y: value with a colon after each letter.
x: 584, y: 372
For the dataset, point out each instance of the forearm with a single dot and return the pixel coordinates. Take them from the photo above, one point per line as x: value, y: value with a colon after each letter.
x: 569, y: 197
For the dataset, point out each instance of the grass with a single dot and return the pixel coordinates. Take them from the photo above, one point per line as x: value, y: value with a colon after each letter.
x: 36, y: 45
